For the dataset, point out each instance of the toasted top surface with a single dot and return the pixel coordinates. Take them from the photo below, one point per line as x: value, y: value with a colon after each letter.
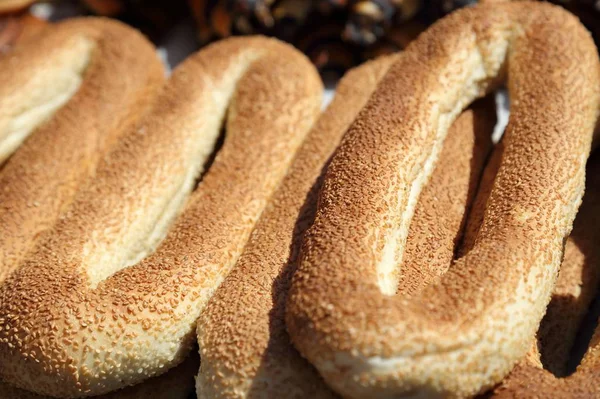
x: 342, y: 313
x: 102, y: 317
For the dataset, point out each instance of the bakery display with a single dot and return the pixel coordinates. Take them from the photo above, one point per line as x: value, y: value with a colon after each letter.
x: 223, y: 231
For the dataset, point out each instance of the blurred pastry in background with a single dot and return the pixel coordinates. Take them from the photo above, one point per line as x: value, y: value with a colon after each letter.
x: 335, y: 34
x: 290, y: 16
x: 436, y: 9
x: 326, y: 7
x: 222, y: 18
x: 395, y: 40
x: 370, y: 20
x: 153, y: 17
x: 11, y: 6
x: 323, y: 44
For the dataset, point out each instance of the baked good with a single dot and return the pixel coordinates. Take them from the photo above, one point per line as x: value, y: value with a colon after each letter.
x: 111, y: 296
x: 462, y: 335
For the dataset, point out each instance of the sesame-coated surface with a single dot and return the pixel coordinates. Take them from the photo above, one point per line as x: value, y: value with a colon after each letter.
x: 437, y: 226
x: 177, y: 383
x: 118, y: 83
x: 576, y: 286
x: 83, y: 315
x: 477, y: 212
x: 578, y: 279
x: 244, y: 346
x: 464, y: 334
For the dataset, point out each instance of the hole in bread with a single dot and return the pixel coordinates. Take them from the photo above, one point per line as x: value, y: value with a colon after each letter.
x: 123, y: 252
x: 211, y: 158
x: 177, y: 204
x: 442, y: 115
x: 583, y: 341
x: 200, y: 125
x: 565, y: 332
x: 437, y: 228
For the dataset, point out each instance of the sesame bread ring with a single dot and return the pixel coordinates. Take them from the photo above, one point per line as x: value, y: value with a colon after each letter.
x: 105, y: 301
x: 464, y: 334
x: 578, y: 279
x: 244, y: 346
x: 65, y: 98
x: 576, y: 286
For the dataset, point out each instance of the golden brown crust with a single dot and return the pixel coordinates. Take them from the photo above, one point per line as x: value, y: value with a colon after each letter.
x: 248, y: 308
x: 574, y: 291
x: 577, y: 282
x: 119, y: 82
x: 177, y: 383
x: 464, y: 334
x: 103, y: 320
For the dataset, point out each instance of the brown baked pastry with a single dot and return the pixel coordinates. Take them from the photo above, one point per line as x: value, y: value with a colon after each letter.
x: 153, y: 17
x: 66, y: 97
x: 111, y: 294
x: 395, y: 40
x: 323, y: 45
x: 244, y: 346
x: 460, y: 336
x: 217, y: 19
x: 177, y: 383
x: 542, y: 374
